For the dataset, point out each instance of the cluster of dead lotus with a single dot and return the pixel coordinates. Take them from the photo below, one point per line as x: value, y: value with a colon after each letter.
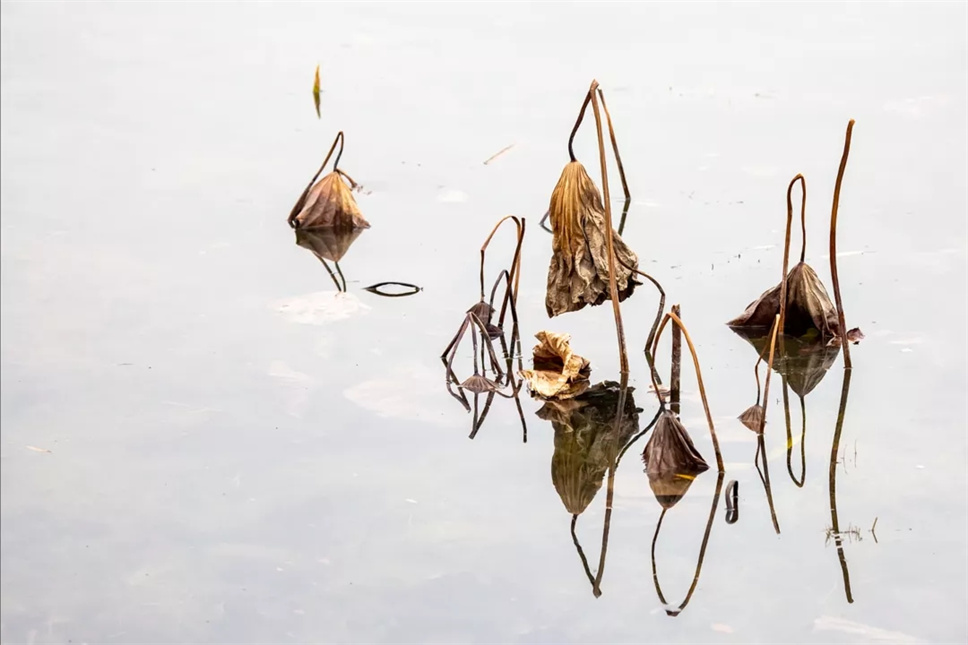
x: 794, y: 327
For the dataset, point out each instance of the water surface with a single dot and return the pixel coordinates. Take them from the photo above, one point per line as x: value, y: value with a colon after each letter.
x: 239, y: 454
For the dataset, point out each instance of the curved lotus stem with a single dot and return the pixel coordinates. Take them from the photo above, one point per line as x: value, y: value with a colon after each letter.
x: 514, y: 271
x: 786, y: 243
x: 833, y: 246
x: 302, y: 198
x: 702, y: 389
x: 618, y: 157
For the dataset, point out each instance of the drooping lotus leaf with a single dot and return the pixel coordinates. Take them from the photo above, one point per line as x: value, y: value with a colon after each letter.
x: 671, y: 460
x: 329, y: 203
x: 586, y: 440
x: 579, y: 269
x: 808, y: 307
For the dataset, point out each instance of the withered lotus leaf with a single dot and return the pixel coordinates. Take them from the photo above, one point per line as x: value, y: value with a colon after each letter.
x: 587, y: 441
x: 808, y: 306
x: 671, y: 460
x: 329, y: 203
x: 578, y: 273
x: 559, y: 373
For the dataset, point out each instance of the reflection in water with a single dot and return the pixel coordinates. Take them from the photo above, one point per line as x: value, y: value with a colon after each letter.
x: 801, y: 362
x: 587, y: 441
x: 329, y: 244
x: 592, y: 432
x: 832, y: 481
x: 702, y: 550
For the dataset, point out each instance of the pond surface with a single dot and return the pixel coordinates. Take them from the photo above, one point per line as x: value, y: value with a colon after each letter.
x: 203, y: 442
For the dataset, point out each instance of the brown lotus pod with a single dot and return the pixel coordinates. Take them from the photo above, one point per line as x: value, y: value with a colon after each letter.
x: 329, y: 203
x: 578, y: 273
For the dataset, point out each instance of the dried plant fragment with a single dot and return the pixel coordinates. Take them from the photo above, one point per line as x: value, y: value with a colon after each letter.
x: 316, y: 93
x: 558, y: 372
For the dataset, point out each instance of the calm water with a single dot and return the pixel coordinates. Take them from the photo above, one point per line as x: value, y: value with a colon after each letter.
x: 237, y: 454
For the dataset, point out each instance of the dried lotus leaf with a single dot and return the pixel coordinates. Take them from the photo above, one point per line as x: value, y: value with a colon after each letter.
x: 578, y: 272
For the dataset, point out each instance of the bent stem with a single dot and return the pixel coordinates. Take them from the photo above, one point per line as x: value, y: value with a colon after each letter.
x: 515, y: 262
x: 302, y: 198
x: 702, y: 389
x: 833, y: 246
x: 612, y: 286
x: 786, y: 242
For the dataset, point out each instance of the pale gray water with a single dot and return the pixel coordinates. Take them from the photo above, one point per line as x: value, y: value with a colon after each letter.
x: 224, y: 470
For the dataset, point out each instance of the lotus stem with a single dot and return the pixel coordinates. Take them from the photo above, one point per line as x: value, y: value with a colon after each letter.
x: 613, y: 287
x: 786, y: 243
x: 833, y: 246
x: 581, y: 116
x: 675, y: 377
x: 618, y: 157
x: 302, y: 198
x: 702, y: 389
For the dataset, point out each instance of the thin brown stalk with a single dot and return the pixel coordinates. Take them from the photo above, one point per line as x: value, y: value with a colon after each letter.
x: 574, y: 130
x: 618, y: 157
x: 786, y: 242
x: 702, y: 389
x: 302, y: 198
x: 613, y: 287
x: 833, y: 246
x: 675, y: 377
